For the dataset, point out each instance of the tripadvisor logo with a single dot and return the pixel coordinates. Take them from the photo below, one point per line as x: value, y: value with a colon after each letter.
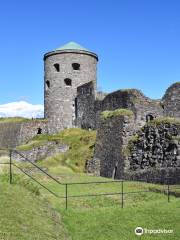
x: 139, y: 231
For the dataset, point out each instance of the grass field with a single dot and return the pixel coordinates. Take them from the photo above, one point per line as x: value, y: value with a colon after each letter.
x: 26, y: 216
x: 102, y: 217
x: 87, y: 218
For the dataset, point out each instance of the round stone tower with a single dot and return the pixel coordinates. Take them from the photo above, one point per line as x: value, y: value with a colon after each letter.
x: 66, y: 68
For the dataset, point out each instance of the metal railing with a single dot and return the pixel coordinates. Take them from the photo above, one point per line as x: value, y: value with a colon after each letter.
x: 68, y: 196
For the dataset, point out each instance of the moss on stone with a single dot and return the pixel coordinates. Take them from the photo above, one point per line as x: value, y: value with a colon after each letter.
x: 128, y: 149
x: 20, y: 119
x: 81, y: 147
x: 176, y: 138
x: 163, y: 120
x: 118, y: 112
x: 30, y: 145
x: 14, y: 119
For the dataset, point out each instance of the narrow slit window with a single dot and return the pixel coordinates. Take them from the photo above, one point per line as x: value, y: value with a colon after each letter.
x: 56, y: 66
x: 68, y: 82
x: 47, y: 84
x: 76, y: 66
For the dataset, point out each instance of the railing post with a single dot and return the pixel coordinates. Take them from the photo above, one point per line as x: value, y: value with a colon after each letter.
x: 122, y: 194
x: 66, y: 196
x: 168, y: 192
x: 10, y: 166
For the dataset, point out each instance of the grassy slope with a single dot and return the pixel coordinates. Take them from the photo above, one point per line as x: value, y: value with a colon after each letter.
x: 23, y: 215
x: 102, y: 217
x: 80, y: 144
x: 113, y: 223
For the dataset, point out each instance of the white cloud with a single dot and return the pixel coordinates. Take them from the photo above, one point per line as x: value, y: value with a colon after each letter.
x: 21, y: 109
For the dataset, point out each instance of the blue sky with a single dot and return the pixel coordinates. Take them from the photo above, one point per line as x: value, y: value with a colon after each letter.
x: 138, y: 43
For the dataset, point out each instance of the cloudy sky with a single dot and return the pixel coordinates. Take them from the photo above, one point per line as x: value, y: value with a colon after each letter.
x: 137, y: 43
x: 21, y: 109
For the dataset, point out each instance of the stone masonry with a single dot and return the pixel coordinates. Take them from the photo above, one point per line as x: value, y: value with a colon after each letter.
x: 112, y: 137
x: 66, y: 68
x: 155, y: 152
x: 40, y: 152
x: 13, y: 134
x: 71, y: 100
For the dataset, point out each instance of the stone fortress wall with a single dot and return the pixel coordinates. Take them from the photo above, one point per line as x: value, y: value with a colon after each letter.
x: 112, y: 137
x: 90, y: 107
x: 13, y: 134
x: 71, y: 100
x: 146, y: 145
x: 155, y: 151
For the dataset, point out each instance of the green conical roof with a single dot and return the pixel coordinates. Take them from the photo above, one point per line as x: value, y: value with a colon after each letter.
x: 72, y: 46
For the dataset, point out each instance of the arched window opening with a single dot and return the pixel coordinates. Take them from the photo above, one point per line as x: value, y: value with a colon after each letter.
x: 68, y: 81
x: 47, y: 84
x: 39, y: 130
x: 149, y: 118
x: 76, y: 66
x: 56, y: 66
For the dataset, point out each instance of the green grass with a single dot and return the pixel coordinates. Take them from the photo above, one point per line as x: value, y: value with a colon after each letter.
x: 14, y: 119
x: 19, y: 119
x: 81, y: 145
x: 114, y: 223
x: 87, y: 218
x: 102, y: 217
x: 163, y: 120
x: 118, y: 112
x: 30, y: 145
x: 24, y: 216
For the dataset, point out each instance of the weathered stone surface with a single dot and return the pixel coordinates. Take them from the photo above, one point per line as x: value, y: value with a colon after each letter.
x: 171, y: 101
x: 13, y: 134
x: 90, y: 107
x: 60, y: 99
x: 112, y: 136
x: 156, y: 152
x: 40, y: 152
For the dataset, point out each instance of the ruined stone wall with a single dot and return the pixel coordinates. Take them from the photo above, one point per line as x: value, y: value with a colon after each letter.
x: 134, y: 100
x: 90, y: 107
x: 171, y: 101
x: 155, y: 151
x: 112, y: 136
x: 13, y: 134
x: 30, y: 129
x: 40, y: 152
x: 9, y: 134
x: 152, y: 153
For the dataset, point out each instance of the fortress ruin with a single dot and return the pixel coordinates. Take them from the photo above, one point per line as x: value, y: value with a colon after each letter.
x: 136, y: 136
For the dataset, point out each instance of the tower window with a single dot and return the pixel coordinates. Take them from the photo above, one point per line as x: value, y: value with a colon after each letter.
x: 68, y: 81
x: 56, y: 66
x: 76, y: 66
x: 47, y: 84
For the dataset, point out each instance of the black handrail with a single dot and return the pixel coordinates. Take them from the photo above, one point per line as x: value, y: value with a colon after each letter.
x: 122, y: 181
x: 35, y: 180
x: 26, y: 159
